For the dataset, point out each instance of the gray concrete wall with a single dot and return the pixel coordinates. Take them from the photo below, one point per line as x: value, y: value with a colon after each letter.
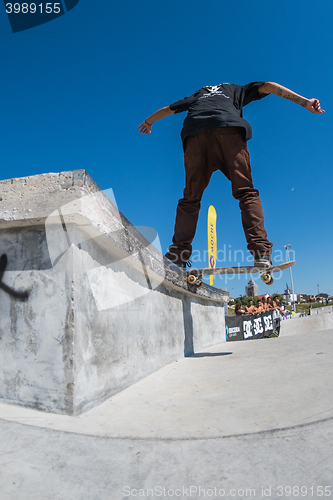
x: 322, y: 310
x: 306, y: 324
x: 104, y: 308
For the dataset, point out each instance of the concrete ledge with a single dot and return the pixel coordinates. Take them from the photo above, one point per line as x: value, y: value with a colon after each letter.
x: 306, y: 324
x: 104, y: 309
x: 321, y: 310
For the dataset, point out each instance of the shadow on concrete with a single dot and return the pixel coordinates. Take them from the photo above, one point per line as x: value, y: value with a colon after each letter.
x: 207, y: 354
x: 188, y: 328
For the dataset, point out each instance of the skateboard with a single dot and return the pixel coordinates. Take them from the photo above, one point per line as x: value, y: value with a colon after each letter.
x: 194, y: 276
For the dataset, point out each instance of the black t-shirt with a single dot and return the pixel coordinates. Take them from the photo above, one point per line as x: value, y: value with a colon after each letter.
x: 217, y: 106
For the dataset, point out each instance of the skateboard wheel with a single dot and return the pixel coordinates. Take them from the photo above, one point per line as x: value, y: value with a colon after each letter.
x: 199, y: 284
x: 191, y: 279
x: 267, y: 279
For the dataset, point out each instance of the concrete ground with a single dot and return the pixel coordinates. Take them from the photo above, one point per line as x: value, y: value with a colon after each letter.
x: 240, y: 420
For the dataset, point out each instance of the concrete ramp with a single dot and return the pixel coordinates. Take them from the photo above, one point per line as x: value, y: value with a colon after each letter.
x: 88, y: 303
x: 250, y: 419
x: 307, y: 324
x: 230, y: 389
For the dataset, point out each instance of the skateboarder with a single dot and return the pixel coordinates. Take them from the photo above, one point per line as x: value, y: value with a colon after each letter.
x: 214, y: 137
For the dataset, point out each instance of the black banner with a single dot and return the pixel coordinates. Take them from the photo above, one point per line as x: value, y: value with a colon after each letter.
x: 254, y: 326
x: 234, y: 328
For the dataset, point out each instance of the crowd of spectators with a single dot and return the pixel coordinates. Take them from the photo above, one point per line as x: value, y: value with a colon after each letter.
x: 264, y: 304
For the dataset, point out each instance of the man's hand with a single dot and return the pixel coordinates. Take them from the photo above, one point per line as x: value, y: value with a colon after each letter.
x: 145, y: 128
x: 313, y: 105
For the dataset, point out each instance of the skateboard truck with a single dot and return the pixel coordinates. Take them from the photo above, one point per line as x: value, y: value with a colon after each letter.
x: 195, y: 280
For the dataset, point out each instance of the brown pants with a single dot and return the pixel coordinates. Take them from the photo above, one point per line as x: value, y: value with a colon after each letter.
x: 221, y: 149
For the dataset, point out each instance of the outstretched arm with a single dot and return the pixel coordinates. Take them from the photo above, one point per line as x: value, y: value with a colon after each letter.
x: 145, y: 127
x: 312, y: 105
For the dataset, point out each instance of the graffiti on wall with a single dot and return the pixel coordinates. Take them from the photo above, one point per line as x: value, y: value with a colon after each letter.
x: 13, y: 293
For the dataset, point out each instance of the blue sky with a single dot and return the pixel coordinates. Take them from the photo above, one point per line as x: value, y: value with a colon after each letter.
x: 74, y: 91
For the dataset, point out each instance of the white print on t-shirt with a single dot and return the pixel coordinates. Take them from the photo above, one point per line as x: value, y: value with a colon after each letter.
x: 213, y: 90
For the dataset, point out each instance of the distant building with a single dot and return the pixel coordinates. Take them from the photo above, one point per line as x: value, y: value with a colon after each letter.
x: 305, y: 297
x: 251, y: 289
x: 262, y: 296
x: 290, y: 298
